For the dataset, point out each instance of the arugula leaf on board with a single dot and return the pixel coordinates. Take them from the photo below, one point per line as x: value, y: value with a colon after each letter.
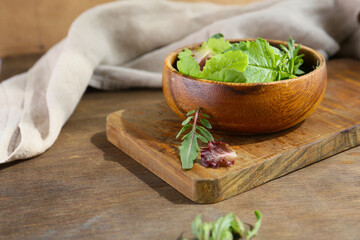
x: 189, y: 148
x: 227, y: 227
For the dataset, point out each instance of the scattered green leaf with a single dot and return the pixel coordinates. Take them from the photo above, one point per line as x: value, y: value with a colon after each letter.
x: 253, y: 232
x: 186, y: 121
x: 189, y: 148
x: 227, y: 227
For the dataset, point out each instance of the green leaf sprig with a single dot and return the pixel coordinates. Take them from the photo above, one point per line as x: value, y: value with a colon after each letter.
x: 291, y: 61
x: 228, y: 227
x: 189, y: 148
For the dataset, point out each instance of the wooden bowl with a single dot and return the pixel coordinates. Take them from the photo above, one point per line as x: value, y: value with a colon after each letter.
x: 248, y: 108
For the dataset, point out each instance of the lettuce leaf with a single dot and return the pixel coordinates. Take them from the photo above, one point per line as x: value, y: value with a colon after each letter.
x: 262, y: 60
x: 268, y: 63
x: 227, y: 67
x: 187, y: 65
x: 186, y: 52
x: 213, y: 46
x: 230, y: 60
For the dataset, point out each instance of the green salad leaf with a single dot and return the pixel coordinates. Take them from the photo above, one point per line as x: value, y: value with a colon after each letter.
x: 188, y: 66
x: 186, y: 52
x: 292, y: 60
x: 253, y: 232
x: 250, y: 61
x: 221, y: 229
x: 263, y: 61
x: 227, y: 67
x: 228, y: 227
x: 189, y: 148
x: 216, y: 45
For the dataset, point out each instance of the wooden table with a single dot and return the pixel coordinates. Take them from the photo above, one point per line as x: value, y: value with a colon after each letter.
x: 83, y: 187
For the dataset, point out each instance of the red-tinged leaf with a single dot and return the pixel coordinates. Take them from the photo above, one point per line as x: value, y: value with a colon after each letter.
x: 217, y: 154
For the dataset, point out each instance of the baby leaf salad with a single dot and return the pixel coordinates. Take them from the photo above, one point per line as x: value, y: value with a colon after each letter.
x: 225, y: 228
x: 250, y: 61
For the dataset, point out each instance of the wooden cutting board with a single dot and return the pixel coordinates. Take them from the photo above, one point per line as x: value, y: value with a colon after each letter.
x: 147, y: 134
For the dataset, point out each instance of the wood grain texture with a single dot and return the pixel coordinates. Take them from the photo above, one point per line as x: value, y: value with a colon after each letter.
x: 247, y: 108
x: 83, y: 187
x: 148, y: 136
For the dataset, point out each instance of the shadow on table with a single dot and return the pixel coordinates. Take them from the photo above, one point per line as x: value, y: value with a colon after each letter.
x: 111, y: 153
x: 10, y: 164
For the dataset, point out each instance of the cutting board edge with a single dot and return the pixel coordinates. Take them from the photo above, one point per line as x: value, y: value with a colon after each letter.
x: 211, y: 188
x: 352, y: 133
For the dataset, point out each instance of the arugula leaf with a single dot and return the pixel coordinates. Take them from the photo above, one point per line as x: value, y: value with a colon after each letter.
x: 205, y: 123
x: 183, y: 129
x: 191, y: 112
x: 292, y: 60
x: 205, y: 133
x: 201, y: 138
x: 205, y: 115
x: 189, y: 148
x: 186, y: 121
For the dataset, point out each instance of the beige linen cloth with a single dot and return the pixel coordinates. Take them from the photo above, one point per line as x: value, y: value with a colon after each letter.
x: 123, y: 44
